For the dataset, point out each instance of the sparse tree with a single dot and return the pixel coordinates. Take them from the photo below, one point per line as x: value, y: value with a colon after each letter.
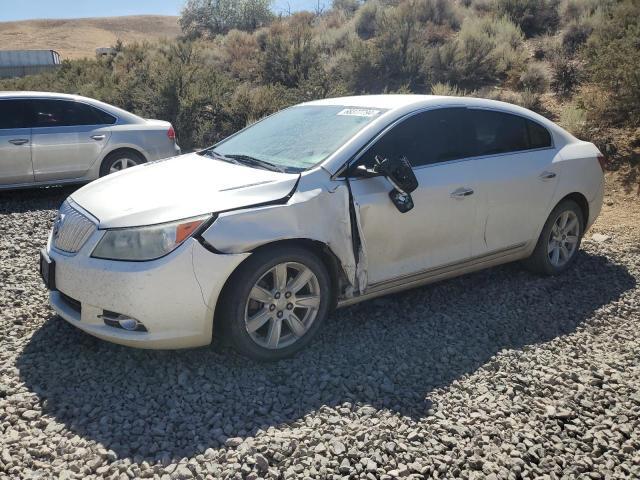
x: 207, y: 18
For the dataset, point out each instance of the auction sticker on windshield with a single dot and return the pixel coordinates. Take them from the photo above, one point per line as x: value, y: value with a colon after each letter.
x: 359, y: 112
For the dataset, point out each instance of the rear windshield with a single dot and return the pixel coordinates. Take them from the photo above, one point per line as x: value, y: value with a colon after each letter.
x: 299, y: 137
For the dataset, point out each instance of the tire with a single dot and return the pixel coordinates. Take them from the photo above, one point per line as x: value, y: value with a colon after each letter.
x: 253, y: 305
x: 553, y: 237
x: 122, y: 157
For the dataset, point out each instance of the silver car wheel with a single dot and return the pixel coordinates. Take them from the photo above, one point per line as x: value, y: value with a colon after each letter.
x: 282, y: 305
x: 563, y: 238
x: 121, y: 164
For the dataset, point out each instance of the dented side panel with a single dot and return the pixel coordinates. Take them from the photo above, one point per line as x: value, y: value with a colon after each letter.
x: 319, y: 213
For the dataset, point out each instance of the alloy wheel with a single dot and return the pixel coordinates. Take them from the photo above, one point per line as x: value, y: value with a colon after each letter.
x: 563, y: 238
x: 121, y: 164
x: 282, y: 305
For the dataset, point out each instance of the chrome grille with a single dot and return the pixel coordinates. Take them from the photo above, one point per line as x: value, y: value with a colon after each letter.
x: 71, y: 229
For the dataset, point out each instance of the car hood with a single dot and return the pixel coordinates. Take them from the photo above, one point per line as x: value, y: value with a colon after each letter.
x: 177, y: 188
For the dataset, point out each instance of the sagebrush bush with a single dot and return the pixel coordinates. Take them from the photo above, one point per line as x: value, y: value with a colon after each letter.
x: 533, y: 16
x: 566, y: 75
x: 444, y: 89
x: 367, y: 19
x: 439, y: 12
x: 534, y: 78
x: 574, y: 36
x: 484, y: 51
x: 573, y: 119
x: 612, y: 56
x: 528, y: 99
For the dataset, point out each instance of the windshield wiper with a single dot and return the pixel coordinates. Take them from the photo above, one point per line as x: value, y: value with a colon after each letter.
x: 219, y: 156
x: 256, y: 162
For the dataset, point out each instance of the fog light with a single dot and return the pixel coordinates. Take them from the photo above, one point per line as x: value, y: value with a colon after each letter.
x: 117, y: 320
x: 128, y: 323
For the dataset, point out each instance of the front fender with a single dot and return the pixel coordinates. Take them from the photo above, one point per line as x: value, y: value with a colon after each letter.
x: 316, y: 214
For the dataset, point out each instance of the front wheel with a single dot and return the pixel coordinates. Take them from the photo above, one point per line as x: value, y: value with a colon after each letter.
x: 559, y: 241
x: 276, y: 302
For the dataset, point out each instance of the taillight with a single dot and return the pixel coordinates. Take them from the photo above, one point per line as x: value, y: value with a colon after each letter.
x: 602, y: 161
x: 171, y: 133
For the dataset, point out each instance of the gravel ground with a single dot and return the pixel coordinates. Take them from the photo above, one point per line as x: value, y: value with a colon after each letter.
x: 499, y: 374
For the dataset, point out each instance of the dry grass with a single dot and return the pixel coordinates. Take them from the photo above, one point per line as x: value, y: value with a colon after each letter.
x: 78, y: 38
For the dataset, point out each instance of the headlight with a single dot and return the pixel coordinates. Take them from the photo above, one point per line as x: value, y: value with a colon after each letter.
x: 146, y: 243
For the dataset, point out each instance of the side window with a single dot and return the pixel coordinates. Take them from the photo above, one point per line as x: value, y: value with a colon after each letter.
x: 103, y: 117
x: 539, y: 136
x: 64, y: 113
x: 498, y: 132
x: 14, y: 114
x: 424, y: 138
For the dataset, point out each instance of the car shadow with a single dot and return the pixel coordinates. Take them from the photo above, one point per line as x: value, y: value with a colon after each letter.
x: 389, y: 353
x: 34, y: 199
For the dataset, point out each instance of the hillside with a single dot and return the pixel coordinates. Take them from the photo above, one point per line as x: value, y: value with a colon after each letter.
x: 78, y: 38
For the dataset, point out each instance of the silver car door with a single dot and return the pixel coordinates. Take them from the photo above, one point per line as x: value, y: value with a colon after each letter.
x: 519, y: 178
x: 439, y: 230
x: 15, y: 143
x: 67, y: 139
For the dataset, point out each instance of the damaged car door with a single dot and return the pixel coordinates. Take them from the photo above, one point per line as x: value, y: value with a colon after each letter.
x: 440, y: 228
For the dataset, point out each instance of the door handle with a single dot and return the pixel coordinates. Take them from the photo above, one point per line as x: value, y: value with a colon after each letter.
x: 97, y: 138
x: 19, y: 141
x: 462, y: 192
x: 547, y: 175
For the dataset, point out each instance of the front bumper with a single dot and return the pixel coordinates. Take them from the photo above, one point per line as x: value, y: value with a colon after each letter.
x: 174, y: 296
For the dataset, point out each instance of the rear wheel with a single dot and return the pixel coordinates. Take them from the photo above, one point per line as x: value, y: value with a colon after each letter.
x: 121, y: 160
x: 559, y: 241
x: 276, y: 302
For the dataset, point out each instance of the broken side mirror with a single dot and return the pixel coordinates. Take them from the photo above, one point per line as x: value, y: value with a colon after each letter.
x: 401, y: 176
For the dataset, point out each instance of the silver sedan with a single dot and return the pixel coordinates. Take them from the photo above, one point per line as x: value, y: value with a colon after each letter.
x: 51, y: 138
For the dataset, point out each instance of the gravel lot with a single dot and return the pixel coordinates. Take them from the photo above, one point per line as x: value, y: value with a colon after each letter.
x: 499, y: 374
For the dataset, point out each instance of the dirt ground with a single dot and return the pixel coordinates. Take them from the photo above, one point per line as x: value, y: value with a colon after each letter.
x: 79, y: 38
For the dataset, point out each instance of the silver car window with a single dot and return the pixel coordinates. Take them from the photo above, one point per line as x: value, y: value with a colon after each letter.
x: 299, y: 137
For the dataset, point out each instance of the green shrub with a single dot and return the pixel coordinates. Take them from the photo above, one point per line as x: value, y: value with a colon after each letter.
x: 612, y: 56
x: 347, y: 6
x: 439, y: 12
x: 290, y: 55
x: 573, y: 119
x: 467, y: 61
x: 485, y: 51
x: 566, y: 75
x: 534, y: 78
x: 367, y: 19
x: 574, y: 36
x: 446, y: 90
x: 533, y: 16
x: 528, y: 99
x: 207, y: 18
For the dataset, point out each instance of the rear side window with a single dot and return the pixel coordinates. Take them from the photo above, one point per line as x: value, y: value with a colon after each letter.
x: 64, y: 113
x: 539, y: 136
x: 14, y: 114
x: 497, y: 132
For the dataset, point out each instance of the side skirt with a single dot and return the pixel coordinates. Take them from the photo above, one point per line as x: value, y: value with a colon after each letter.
x: 516, y: 252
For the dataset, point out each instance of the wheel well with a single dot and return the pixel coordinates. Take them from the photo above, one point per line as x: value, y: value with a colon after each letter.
x: 328, y: 258
x: 582, y: 203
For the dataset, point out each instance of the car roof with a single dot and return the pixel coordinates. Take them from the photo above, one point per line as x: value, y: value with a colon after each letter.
x: 123, y: 115
x: 407, y: 101
x: 400, y: 104
x: 28, y: 94
x: 396, y: 106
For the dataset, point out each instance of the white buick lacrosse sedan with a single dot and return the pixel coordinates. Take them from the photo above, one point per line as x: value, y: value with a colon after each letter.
x: 323, y: 204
